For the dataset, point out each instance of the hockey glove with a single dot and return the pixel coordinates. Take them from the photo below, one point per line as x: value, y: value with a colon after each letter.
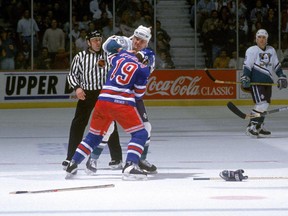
x: 282, y: 82
x: 113, y: 46
x: 245, y: 81
x: 233, y: 175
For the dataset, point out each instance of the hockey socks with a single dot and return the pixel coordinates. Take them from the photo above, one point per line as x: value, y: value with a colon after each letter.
x: 90, y: 142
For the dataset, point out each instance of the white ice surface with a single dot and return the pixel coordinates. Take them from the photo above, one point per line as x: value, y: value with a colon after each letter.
x: 187, y: 142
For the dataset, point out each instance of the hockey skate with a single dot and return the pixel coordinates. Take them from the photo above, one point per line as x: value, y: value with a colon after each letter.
x: 252, y: 130
x: 71, y: 170
x: 132, y: 172
x: 91, y: 166
x: 263, y: 132
x: 115, y: 164
x: 65, y: 164
x: 147, y: 167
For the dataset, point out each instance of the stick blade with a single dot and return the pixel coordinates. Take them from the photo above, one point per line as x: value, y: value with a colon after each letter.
x: 209, y: 75
x: 235, y: 110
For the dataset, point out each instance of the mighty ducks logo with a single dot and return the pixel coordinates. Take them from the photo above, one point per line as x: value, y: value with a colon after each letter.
x: 265, y: 59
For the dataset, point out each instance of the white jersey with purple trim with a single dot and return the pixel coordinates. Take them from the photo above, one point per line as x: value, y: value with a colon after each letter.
x: 260, y: 64
x: 125, y: 43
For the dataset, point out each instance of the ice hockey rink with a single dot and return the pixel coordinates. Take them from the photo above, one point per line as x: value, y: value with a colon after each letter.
x: 186, y: 143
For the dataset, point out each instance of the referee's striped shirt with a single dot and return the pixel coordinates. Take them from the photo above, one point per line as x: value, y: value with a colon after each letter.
x: 85, y: 72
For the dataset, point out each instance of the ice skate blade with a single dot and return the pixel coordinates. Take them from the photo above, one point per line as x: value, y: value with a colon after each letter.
x: 150, y: 172
x: 69, y: 176
x: 131, y: 177
x: 116, y: 167
x: 90, y: 173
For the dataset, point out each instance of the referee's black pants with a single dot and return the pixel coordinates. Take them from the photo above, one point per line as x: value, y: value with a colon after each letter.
x: 80, y: 121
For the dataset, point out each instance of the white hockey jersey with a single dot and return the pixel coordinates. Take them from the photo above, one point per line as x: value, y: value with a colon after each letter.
x: 260, y: 64
x: 125, y: 43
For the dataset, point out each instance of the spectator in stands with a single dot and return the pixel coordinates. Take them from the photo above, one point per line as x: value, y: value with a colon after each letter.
x: 147, y: 9
x: 81, y: 43
x: 84, y: 23
x: 222, y: 61
x: 61, y: 60
x: 8, y: 51
x: 269, y: 23
x: 126, y: 24
x: 160, y: 30
x: 236, y: 62
x: 94, y: 9
x: 204, y: 8
x: 243, y: 30
x: 109, y: 30
x: 242, y: 8
x: 211, y: 21
x: 164, y: 60
x: 255, y: 27
x: 161, y: 43
x: 26, y: 50
x: 224, y: 15
x: 24, y: 27
x: 139, y: 19
x: 91, y: 27
x: 43, y: 61
x: 75, y: 33
x: 217, y: 37
x: 20, y: 62
x: 231, y: 36
x: 54, y: 39
x: 258, y: 8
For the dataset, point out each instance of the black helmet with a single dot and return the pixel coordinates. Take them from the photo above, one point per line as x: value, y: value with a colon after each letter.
x: 94, y: 34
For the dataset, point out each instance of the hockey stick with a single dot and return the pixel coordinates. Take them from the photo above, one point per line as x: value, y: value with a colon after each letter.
x: 242, y: 115
x: 232, y: 82
x: 252, y: 178
x: 65, y: 189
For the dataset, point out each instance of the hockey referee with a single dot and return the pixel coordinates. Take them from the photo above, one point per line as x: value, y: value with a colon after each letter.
x: 87, y: 76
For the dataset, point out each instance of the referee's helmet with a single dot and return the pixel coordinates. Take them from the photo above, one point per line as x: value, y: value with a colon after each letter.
x: 94, y: 34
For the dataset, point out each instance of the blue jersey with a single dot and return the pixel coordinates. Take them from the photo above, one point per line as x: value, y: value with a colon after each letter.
x: 126, y: 79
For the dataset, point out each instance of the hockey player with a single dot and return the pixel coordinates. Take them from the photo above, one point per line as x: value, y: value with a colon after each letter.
x: 260, y: 61
x: 138, y: 41
x: 126, y: 82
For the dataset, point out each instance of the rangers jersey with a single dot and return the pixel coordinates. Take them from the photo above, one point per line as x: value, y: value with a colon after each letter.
x: 260, y: 64
x: 126, y: 80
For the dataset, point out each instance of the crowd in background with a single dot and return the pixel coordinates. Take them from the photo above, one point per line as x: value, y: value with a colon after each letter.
x: 52, y: 32
x: 215, y: 22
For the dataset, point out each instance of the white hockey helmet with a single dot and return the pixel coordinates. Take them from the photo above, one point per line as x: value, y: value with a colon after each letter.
x: 143, y: 33
x: 262, y: 32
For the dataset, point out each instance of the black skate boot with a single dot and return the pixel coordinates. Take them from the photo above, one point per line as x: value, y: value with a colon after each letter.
x: 252, y: 129
x: 263, y: 132
x: 132, y: 172
x: 147, y: 167
x: 116, y: 164
x: 91, y: 166
x: 71, y: 170
x: 65, y: 164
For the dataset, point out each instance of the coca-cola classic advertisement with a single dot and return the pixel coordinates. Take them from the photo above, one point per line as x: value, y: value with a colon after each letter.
x: 190, y: 84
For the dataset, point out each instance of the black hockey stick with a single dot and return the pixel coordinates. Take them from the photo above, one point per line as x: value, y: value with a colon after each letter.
x: 232, y: 82
x: 252, y: 178
x: 64, y: 189
x: 242, y: 115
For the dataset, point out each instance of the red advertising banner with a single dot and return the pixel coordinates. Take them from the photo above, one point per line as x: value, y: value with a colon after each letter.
x: 190, y: 84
